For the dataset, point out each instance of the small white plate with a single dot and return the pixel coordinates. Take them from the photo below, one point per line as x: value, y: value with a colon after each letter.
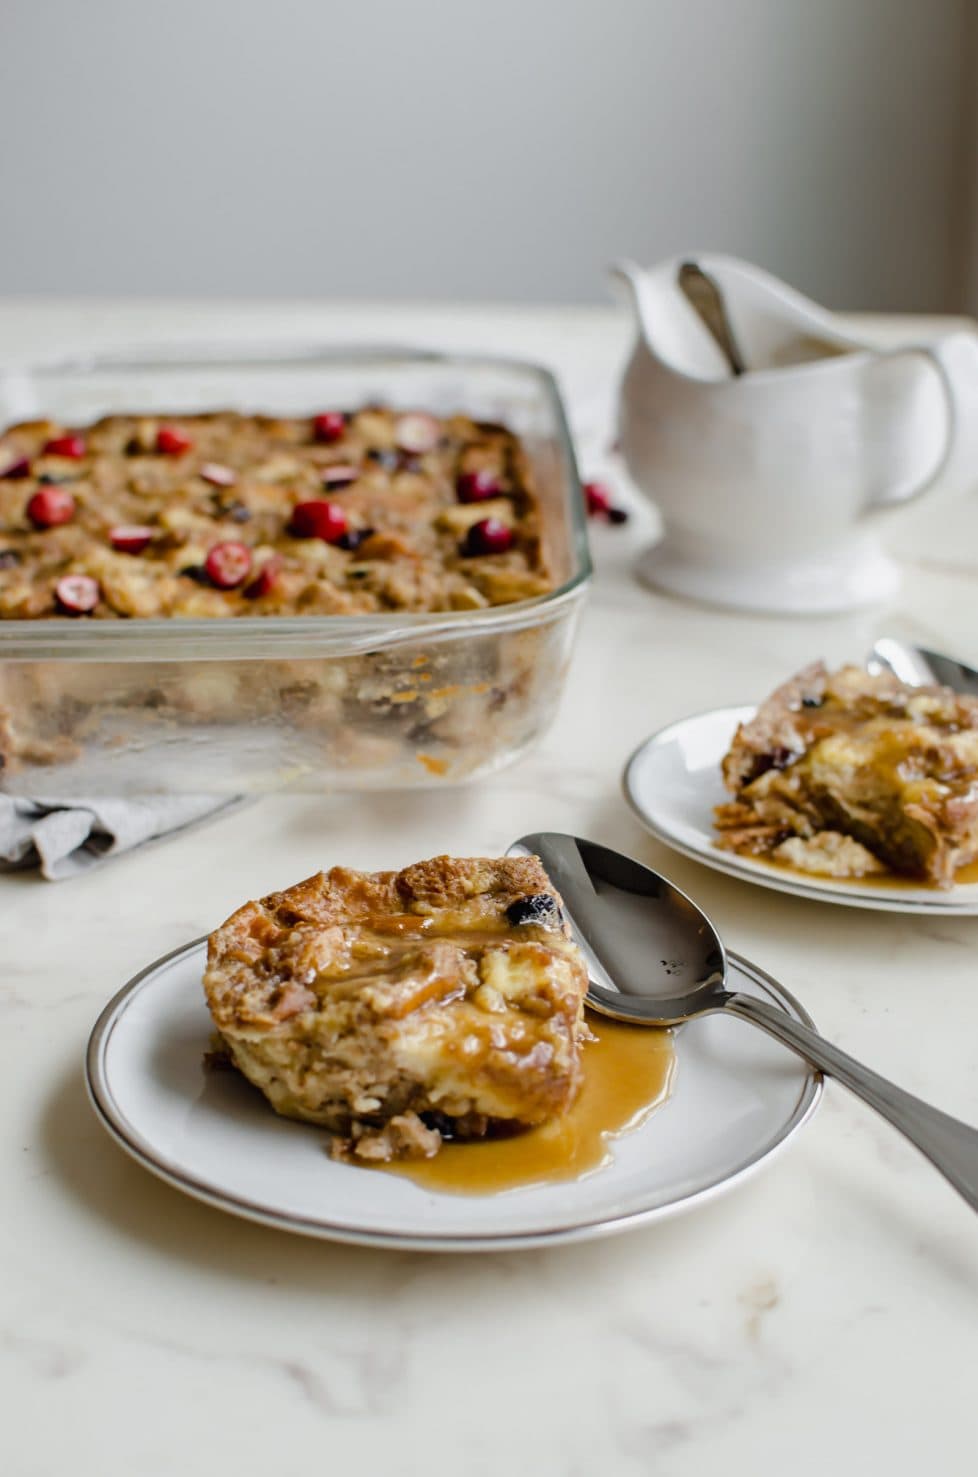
x: 737, y: 1097
x: 672, y: 782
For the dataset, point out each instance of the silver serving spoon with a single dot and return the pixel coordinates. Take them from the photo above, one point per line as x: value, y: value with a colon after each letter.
x: 703, y: 293
x: 655, y: 959
x: 920, y: 667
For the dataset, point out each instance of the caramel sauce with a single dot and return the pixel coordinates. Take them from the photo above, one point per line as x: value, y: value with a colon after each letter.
x: 962, y: 877
x: 628, y: 1073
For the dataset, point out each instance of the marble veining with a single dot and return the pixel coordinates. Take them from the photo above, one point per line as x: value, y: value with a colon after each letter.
x: 825, y: 1314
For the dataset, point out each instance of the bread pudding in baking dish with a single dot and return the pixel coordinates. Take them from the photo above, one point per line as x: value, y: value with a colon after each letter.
x: 126, y: 546
x: 398, y: 1009
x: 222, y: 514
x: 850, y: 774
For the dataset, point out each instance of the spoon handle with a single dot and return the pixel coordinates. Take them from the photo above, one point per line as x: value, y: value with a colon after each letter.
x: 948, y: 1143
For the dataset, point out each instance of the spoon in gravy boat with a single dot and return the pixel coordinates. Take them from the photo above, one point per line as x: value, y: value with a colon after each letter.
x: 655, y: 959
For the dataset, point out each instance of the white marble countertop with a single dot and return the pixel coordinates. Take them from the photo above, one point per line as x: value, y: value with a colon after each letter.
x: 823, y: 1315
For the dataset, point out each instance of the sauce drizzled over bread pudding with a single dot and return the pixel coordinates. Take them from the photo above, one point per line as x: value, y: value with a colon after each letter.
x: 222, y: 514
x: 850, y: 774
x: 401, y: 1009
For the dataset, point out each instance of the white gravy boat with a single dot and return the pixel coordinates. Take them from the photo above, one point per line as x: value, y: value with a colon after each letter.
x: 772, y: 484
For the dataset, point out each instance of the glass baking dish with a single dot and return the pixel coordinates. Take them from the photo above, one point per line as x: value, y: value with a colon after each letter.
x: 311, y: 702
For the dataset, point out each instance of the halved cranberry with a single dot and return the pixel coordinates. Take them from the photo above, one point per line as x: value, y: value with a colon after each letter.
x: 318, y: 519
x: 218, y: 476
x: 73, y: 446
x: 598, y: 498
x: 488, y: 536
x: 265, y: 580
x: 228, y: 564
x: 50, y: 506
x: 339, y: 475
x: 19, y: 466
x: 417, y: 432
x: 173, y: 440
x: 77, y: 594
x: 329, y: 426
x: 130, y: 538
x: 475, y: 487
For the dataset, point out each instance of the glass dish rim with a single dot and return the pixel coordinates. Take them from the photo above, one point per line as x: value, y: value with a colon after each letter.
x: 56, y: 637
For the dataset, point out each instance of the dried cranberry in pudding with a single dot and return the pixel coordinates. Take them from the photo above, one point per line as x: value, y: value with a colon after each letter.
x: 264, y: 581
x: 338, y: 475
x: 476, y: 487
x: 540, y: 908
x: 18, y: 466
x: 50, y: 507
x: 488, y: 536
x: 217, y: 475
x: 353, y: 538
x: 228, y: 564
x: 130, y: 538
x: 71, y: 446
x: 318, y: 518
x: 417, y: 432
x: 173, y: 440
x: 76, y: 594
x: 329, y: 426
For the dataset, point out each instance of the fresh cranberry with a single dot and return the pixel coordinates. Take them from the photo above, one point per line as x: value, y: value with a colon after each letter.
x: 217, y: 475
x: 338, y: 475
x: 329, y: 426
x: 77, y: 594
x: 73, y: 446
x: 18, y: 467
x: 173, y: 440
x: 265, y: 580
x: 130, y: 538
x: 228, y: 564
x: 318, y: 519
x: 488, y: 536
x: 475, y: 487
x: 50, y: 507
x: 417, y: 433
x: 598, y: 499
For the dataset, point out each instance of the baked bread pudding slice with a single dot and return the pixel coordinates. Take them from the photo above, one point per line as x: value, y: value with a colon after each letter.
x: 849, y: 774
x: 399, y: 1008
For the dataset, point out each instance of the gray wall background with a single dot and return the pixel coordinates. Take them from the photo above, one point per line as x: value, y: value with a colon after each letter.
x: 508, y: 149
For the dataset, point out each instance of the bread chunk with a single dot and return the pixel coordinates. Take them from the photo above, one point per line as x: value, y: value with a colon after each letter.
x: 399, y: 1008
x: 850, y: 773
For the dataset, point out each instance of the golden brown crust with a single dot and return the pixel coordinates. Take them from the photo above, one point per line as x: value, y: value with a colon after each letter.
x: 407, y: 546
x: 356, y: 998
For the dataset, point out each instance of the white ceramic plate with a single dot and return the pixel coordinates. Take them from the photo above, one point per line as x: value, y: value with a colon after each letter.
x: 672, y: 782
x: 737, y: 1098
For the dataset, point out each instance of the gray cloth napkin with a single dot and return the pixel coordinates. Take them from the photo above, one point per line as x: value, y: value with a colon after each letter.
x: 67, y: 837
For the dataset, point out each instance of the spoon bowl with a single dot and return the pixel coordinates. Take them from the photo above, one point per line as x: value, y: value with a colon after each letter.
x: 655, y: 959
x: 918, y: 666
